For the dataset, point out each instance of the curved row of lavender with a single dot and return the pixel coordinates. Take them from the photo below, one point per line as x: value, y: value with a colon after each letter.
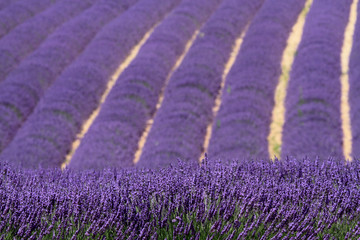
x: 26, y: 37
x: 293, y: 199
x: 6, y: 3
x: 180, y: 123
x: 27, y: 83
x: 47, y: 135
x: 20, y: 11
x: 312, y: 118
x: 113, y: 138
x: 354, y: 90
x: 241, y: 126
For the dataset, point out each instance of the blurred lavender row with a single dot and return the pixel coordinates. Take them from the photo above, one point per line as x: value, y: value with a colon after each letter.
x: 180, y: 124
x: 26, y: 37
x: 291, y: 199
x: 312, y: 119
x: 6, y: 3
x: 20, y: 11
x: 113, y: 138
x: 27, y: 83
x: 47, y: 135
x: 354, y: 91
x: 241, y: 127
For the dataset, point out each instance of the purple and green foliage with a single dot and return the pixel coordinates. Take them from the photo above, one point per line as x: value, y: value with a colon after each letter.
x: 47, y: 135
x: 290, y: 199
x: 26, y: 37
x: 180, y: 124
x: 241, y: 126
x: 133, y: 99
x: 354, y: 91
x: 19, y: 12
x: 26, y: 84
x: 312, y: 119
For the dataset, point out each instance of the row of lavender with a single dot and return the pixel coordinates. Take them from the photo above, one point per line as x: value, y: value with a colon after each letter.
x: 292, y: 199
x: 27, y: 83
x: 354, y: 93
x: 133, y: 99
x: 15, y: 14
x: 49, y: 92
x: 312, y: 122
x: 48, y: 132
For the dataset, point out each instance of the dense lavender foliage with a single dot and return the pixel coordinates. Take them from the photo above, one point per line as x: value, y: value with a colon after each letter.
x: 46, y: 136
x: 133, y: 99
x: 26, y: 37
x: 354, y: 91
x: 26, y: 84
x: 312, y: 119
x: 19, y: 12
x: 6, y: 3
x: 241, y: 126
x: 180, y: 124
x: 304, y: 199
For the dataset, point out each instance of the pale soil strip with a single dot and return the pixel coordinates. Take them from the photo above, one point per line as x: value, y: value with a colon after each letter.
x: 109, y: 86
x: 150, y: 122
x: 278, y: 113
x: 345, y: 57
x: 216, y: 107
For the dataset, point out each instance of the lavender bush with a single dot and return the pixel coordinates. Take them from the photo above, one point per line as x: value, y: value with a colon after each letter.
x: 289, y: 199
x: 133, y: 99
x: 26, y: 84
x: 20, y: 11
x: 312, y: 119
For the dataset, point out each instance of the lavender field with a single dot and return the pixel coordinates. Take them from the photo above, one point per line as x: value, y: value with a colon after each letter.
x: 179, y: 119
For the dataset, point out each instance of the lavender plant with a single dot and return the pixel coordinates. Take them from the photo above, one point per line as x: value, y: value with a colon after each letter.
x: 180, y: 124
x: 312, y: 119
x: 133, y: 99
x: 40, y: 69
x: 288, y: 199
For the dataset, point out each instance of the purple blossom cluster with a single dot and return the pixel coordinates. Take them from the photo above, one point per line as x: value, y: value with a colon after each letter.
x: 288, y: 199
x: 18, y: 12
x: 132, y: 100
x: 180, y: 124
x: 241, y: 126
x: 312, y: 119
x: 26, y: 84
x: 26, y: 37
x: 47, y: 135
x: 354, y: 90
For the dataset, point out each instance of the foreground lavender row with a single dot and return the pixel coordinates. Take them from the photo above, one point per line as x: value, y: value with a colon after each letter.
x: 291, y: 199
